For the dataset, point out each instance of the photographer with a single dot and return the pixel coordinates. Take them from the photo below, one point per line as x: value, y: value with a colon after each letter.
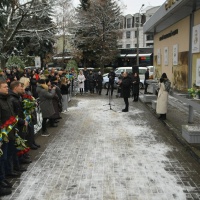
x: 81, y: 79
x: 111, y: 77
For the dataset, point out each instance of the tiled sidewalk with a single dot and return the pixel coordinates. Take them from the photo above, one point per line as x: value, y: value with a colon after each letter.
x: 100, y: 154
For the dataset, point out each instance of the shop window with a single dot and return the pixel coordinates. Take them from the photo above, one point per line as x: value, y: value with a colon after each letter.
x: 128, y: 34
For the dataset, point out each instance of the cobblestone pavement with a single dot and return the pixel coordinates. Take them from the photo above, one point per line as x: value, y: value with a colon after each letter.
x: 101, y: 154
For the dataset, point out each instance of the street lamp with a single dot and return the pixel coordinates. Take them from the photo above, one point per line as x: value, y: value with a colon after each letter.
x: 138, y: 24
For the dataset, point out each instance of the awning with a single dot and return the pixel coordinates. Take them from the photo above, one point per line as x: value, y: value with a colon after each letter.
x: 163, y: 18
x: 65, y: 57
x: 134, y: 55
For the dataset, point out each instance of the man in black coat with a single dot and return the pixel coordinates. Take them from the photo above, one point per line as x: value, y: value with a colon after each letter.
x: 125, y: 84
x: 6, y: 111
x: 111, y: 82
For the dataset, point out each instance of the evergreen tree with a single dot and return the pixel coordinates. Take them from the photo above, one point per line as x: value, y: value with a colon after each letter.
x: 84, y: 4
x: 24, y: 25
x: 98, y: 30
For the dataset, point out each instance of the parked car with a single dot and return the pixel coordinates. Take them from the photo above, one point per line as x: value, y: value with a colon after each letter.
x: 142, y: 71
x: 106, y: 81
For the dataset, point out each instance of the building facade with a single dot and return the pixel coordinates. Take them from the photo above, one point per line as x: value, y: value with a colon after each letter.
x: 131, y: 25
x: 176, y: 29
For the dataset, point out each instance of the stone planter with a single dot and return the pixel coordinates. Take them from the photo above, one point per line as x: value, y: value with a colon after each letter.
x: 191, y: 133
x: 149, y: 97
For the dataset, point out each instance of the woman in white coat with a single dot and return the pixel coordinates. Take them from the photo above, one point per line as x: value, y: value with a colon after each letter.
x: 81, y: 79
x: 162, y: 99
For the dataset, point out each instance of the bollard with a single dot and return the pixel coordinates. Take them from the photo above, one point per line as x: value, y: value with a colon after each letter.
x: 191, y: 115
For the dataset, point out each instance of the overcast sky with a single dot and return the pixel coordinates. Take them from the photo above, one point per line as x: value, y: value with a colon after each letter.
x: 133, y: 6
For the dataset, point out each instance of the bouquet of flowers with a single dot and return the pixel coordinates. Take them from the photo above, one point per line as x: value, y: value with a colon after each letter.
x: 7, y: 127
x: 29, y: 104
x: 20, y: 145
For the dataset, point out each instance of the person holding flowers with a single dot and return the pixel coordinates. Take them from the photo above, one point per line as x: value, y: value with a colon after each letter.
x: 6, y: 136
x: 16, y: 89
x: 29, y: 105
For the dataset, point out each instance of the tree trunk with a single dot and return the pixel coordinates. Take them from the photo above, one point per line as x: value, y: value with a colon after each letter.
x: 3, y: 63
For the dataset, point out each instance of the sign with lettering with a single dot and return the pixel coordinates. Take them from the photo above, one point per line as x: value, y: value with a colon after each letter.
x: 198, y: 72
x: 169, y: 3
x: 166, y: 56
x: 158, y: 57
x: 175, y: 54
x: 196, y: 39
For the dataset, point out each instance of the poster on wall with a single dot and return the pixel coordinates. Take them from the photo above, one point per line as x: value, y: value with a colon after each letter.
x: 158, y: 57
x: 175, y: 54
x: 166, y: 56
x: 198, y: 72
x: 196, y: 39
x: 37, y: 62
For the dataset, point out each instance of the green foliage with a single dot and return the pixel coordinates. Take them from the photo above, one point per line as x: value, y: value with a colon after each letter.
x: 15, y: 61
x: 72, y: 65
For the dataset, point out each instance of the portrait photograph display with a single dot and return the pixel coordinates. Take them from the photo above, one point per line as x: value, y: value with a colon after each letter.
x: 166, y: 56
x: 158, y: 57
x: 175, y: 54
x: 196, y: 39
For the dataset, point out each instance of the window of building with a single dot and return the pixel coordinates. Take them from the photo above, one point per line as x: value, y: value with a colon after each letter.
x: 120, y: 46
x: 129, y: 23
x: 135, y: 45
x: 128, y: 34
x: 135, y: 34
x: 150, y: 37
x: 149, y: 45
x: 128, y: 46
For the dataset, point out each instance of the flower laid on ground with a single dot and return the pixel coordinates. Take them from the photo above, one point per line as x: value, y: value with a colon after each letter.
x: 192, y: 92
x: 197, y: 91
x: 20, y: 145
x: 7, y: 127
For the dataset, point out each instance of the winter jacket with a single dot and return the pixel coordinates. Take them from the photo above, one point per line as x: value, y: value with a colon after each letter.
x: 126, y: 86
x: 162, y: 99
x: 135, y: 84
x: 6, y: 111
x: 46, y: 103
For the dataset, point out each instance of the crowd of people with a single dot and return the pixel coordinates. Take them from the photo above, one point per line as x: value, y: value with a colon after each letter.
x: 22, y: 91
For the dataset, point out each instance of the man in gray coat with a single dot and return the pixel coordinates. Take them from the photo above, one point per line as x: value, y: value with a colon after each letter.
x: 46, y: 103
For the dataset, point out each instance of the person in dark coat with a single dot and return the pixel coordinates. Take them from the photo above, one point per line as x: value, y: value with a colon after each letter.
x: 145, y: 81
x: 125, y: 84
x: 6, y: 111
x: 16, y: 89
x: 91, y: 81
x: 33, y: 85
x: 99, y: 80
x: 86, y: 84
x: 111, y: 82
x: 135, y: 86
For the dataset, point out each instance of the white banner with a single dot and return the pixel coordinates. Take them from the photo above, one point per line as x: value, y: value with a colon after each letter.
x: 158, y: 57
x: 175, y: 54
x: 196, y: 39
x: 166, y: 61
x: 37, y: 62
x: 198, y: 72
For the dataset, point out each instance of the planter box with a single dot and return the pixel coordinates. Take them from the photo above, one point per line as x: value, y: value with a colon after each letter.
x: 149, y: 97
x: 191, y: 133
x: 153, y: 104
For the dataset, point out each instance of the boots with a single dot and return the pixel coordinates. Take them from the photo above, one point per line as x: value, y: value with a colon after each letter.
x: 162, y: 117
x: 5, y: 191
